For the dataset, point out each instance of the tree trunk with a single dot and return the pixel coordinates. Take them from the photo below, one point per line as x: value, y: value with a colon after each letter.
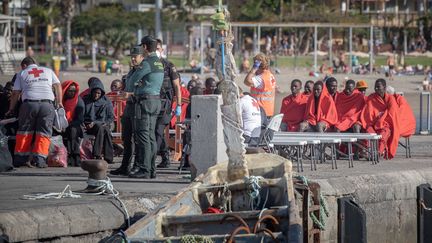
x: 190, y: 42
x: 5, y: 7
x: 68, y: 42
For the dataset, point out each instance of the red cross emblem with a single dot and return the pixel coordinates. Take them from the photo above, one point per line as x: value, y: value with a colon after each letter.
x: 255, y: 104
x: 35, y: 72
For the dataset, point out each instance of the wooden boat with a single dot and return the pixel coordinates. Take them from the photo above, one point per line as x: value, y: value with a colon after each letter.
x: 271, y: 216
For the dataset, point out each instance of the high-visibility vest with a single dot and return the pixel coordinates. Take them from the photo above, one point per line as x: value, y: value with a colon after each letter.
x: 266, y: 94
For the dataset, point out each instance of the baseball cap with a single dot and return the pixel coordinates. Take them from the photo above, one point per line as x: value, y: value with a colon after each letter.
x: 147, y: 40
x: 361, y: 84
x: 136, y: 50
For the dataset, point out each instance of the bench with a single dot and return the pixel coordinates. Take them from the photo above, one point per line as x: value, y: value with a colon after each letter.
x: 372, y: 138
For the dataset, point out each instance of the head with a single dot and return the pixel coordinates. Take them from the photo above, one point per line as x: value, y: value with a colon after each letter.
x: 265, y: 61
x: 210, y: 85
x: 148, y: 44
x: 296, y: 86
x: 331, y: 84
x: 191, y: 84
x: 349, y: 87
x: 91, y: 80
x: 96, y: 94
x: 27, y: 61
x: 361, y: 86
x: 317, y: 89
x: 159, y: 48
x: 116, y: 85
x: 70, y: 92
x: 137, y: 55
x: 380, y: 87
x: 196, y: 91
x: 8, y: 88
x: 308, y: 86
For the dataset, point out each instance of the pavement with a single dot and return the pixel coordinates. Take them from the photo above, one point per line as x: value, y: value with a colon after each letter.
x: 22, y: 220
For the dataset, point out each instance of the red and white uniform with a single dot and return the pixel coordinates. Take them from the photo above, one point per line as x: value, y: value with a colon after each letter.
x: 251, y: 116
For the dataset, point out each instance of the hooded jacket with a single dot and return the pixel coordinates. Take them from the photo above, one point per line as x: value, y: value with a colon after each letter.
x: 101, y: 110
x: 74, y: 107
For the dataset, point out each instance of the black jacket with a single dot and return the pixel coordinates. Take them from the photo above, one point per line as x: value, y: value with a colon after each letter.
x: 78, y: 118
x: 99, y: 111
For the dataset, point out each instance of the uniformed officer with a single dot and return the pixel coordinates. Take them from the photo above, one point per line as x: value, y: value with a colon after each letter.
x: 170, y: 86
x: 35, y: 86
x: 127, y: 119
x: 148, y: 80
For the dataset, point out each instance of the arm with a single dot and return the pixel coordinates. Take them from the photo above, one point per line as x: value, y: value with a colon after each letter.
x: 59, y: 94
x: 177, y: 89
x: 248, y: 79
x: 14, y: 99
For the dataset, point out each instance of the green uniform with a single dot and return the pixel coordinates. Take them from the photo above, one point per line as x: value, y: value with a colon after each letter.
x: 147, y: 80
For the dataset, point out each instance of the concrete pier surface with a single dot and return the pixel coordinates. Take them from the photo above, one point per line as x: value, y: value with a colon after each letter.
x: 385, y: 187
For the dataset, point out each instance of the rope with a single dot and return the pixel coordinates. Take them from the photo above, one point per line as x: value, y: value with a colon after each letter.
x: 102, y: 186
x: 195, y: 239
x: 323, y: 211
x: 254, y: 188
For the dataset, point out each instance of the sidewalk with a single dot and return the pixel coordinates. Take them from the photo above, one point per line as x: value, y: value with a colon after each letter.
x: 22, y: 220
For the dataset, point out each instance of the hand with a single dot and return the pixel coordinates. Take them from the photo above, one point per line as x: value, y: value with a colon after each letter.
x: 178, y: 111
x: 90, y: 125
x: 9, y: 113
x: 256, y: 64
x: 60, y: 105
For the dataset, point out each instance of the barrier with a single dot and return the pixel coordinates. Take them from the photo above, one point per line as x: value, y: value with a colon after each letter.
x: 425, y: 96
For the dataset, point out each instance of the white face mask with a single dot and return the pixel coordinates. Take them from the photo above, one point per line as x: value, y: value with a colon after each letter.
x: 160, y: 54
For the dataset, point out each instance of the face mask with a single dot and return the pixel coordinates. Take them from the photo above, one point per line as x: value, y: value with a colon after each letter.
x: 159, y: 54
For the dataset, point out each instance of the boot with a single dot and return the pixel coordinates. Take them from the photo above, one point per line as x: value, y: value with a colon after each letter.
x: 165, y: 161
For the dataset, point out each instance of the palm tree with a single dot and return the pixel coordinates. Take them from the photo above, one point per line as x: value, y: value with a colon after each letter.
x: 68, y: 10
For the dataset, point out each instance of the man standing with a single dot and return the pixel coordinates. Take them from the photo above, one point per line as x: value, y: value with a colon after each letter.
x: 262, y: 83
x: 127, y: 118
x: 293, y: 107
x: 35, y: 86
x: 170, y: 89
x: 148, y: 81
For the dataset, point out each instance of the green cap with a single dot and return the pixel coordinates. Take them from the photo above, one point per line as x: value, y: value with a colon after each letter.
x: 136, y: 50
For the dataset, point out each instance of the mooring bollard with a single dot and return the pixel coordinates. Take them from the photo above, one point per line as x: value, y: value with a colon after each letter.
x: 425, y: 96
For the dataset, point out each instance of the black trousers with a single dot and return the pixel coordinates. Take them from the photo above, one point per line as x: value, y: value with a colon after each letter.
x: 162, y: 122
x: 71, y: 140
x: 103, y: 142
x: 127, y: 135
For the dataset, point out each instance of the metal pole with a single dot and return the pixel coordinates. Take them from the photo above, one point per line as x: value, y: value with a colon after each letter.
x: 202, y: 48
x: 158, y: 31
x: 421, y: 112
x: 330, y: 47
x: 428, y: 113
x: 315, y: 48
x: 350, y: 48
x: 259, y: 38
x: 405, y: 42
x: 255, y: 40
x: 371, y: 50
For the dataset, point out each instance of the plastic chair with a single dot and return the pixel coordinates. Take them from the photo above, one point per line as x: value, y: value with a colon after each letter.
x: 272, y: 127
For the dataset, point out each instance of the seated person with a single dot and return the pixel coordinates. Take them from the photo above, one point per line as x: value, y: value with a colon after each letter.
x: 362, y: 86
x: 251, y: 117
x: 87, y: 91
x: 116, y: 88
x: 98, y: 116
x: 381, y: 116
x: 407, y: 121
x: 308, y: 88
x: 332, y: 85
x: 210, y: 86
x: 293, y: 107
x: 74, y: 108
x: 320, y: 112
x: 349, y: 106
x: 11, y: 128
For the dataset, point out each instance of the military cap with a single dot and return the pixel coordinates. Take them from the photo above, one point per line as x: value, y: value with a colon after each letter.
x: 136, y: 50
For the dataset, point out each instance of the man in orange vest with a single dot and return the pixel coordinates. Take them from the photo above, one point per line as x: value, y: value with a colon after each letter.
x: 262, y: 83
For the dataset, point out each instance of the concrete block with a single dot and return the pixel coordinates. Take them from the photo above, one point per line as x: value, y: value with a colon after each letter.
x: 18, y: 226
x: 81, y: 219
x: 51, y: 222
x: 208, y: 146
